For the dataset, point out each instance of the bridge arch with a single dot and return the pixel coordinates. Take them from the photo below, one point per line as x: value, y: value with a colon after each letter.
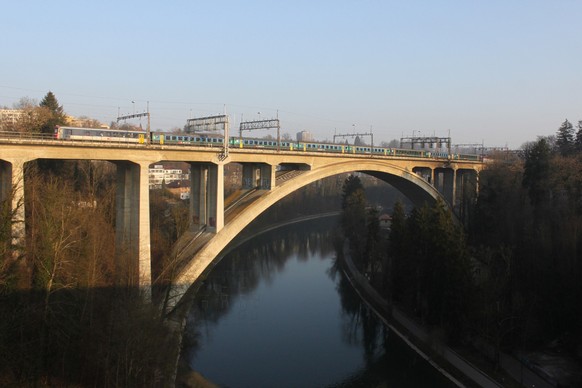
x: 417, y: 189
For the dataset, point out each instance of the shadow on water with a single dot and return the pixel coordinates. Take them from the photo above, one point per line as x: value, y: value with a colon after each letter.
x: 363, y: 353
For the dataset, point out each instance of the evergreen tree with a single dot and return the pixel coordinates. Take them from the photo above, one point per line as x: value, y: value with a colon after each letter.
x: 400, y: 274
x: 578, y: 140
x: 351, y: 185
x: 419, y: 262
x: 450, y: 288
x: 354, y: 217
x: 56, y: 115
x: 565, y: 138
x: 537, y: 171
x: 373, y: 254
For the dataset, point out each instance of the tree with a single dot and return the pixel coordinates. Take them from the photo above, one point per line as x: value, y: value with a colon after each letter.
x: 350, y: 186
x: 400, y: 275
x: 354, y: 216
x: 578, y: 139
x: 450, y: 276
x: 537, y: 171
x: 565, y: 138
x: 373, y: 254
x: 31, y: 119
x: 50, y: 101
x: 57, y: 115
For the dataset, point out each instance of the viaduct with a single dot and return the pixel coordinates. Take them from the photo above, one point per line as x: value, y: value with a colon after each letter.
x: 268, y: 176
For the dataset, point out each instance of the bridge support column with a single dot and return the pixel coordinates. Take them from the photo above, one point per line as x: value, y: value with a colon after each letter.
x: 251, y: 176
x: 12, y: 189
x: 425, y: 173
x: 132, y: 224
x: 467, y: 181
x: 454, y: 193
x: 445, y: 183
x: 5, y: 180
x: 268, y: 176
x: 259, y: 175
x: 216, y: 197
x: 145, y: 252
x: 207, y: 196
x: 198, y: 179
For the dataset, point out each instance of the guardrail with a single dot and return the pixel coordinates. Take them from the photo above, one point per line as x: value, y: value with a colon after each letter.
x: 26, y: 135
x: 44, y: 138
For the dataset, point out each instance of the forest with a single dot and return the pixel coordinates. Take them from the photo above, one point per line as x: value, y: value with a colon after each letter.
x: 71, y: 313
x: 510, y: 275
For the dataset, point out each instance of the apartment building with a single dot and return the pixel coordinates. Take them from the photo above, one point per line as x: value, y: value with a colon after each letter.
x: 158, y: 174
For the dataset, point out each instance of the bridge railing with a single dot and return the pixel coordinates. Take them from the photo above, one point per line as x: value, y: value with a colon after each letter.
x: 389, y: 153
x: 26, y: 135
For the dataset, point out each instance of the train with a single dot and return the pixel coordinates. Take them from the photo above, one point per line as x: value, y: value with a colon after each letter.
x: 213, y: 140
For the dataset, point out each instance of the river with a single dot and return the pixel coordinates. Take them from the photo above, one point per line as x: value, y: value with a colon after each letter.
x: 277, y: 312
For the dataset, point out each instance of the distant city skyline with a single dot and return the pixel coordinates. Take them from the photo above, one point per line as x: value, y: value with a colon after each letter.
x: 499, y: 73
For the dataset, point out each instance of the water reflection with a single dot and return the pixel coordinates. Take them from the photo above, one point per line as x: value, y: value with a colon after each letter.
x: 276, y: 311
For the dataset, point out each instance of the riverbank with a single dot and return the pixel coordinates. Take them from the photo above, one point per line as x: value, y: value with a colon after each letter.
x: 447, y: 361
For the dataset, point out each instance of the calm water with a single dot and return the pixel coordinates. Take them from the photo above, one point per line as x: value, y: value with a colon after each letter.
x: 276, y: 312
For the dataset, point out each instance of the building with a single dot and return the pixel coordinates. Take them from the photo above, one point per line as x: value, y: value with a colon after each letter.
x: 84, y: 122
x: 159, y: 174
x: 9, y: 117
x: 304, y: 136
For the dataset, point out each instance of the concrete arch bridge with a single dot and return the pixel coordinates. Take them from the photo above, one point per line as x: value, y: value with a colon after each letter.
x: 267, y: 177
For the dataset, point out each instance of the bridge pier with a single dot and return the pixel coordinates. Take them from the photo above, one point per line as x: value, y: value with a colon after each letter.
x: 259, y: 175
x: 250, y: 176
x: 426, y: 173
x: 207, y: 196
x: 445, y: 182
x: 268, y: 177
x: 12, y: 189
x: 466, y: 187
x: 453, y: 183
x: 132, y: 224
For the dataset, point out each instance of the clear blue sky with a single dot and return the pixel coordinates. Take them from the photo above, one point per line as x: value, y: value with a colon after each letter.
x: 501, y: 72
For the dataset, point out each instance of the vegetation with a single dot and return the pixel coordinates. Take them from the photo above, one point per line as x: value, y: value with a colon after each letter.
x: 69, y: 315
x: 38, y: 117
x: 528, y: 227
x: 511, y: 275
